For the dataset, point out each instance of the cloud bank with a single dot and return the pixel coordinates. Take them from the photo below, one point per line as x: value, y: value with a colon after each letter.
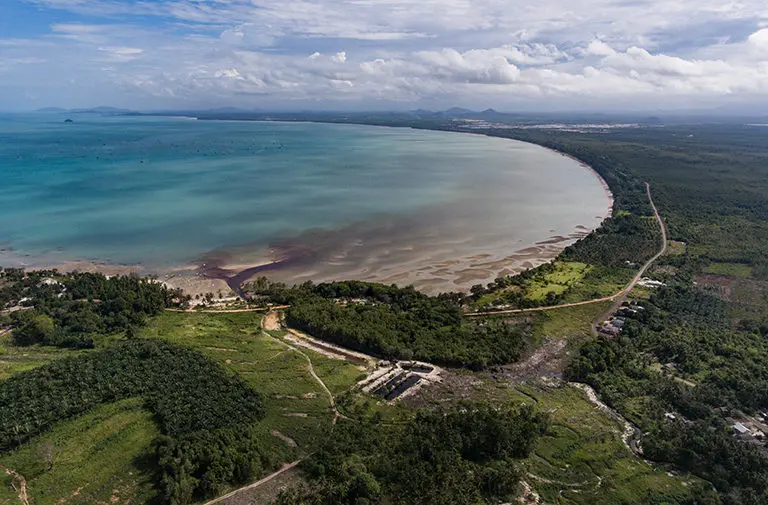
x: 510, y: 54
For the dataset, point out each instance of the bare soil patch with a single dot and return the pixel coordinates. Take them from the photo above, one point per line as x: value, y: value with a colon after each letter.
x: 288, y: 440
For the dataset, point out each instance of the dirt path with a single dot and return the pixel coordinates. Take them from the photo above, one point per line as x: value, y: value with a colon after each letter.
x: 288, y: 440
x: 256, y: 484
x: 227, y: 311
x: 271, y: 321
x: 618, y: 297
x: 19, y: 484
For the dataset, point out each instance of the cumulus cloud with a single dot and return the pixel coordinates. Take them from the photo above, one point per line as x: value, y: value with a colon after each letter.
x: 491, y: 52
x: 759, y: 39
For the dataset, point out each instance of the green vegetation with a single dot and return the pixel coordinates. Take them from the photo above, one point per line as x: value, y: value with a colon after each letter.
x: 729, y: 269
x: 394, y: 322
x: 558, y: 282
x: 69, y: 310
x: 197, y: 405
x: 236, y: 341
x: 571, y: 322
x: 86, y: 426
x: 708, y: 366
x: 582, y: 460
x: 15, y: 359
x: 698, y: 351
x: 93, y: 458
x: 464, y: 455
x: 596, y: 266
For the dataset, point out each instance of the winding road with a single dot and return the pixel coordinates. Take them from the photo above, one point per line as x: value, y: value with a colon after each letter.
x: 618, y: 297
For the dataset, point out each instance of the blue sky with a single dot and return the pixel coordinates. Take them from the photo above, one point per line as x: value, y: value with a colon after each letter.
x: 376, y: 54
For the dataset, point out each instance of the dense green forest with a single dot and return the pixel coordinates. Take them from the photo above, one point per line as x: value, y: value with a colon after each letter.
x: 203, y: 412
x: 692, y: 362
x: 69, y: 310
x: 460, y: 456
x: 709, y: 181
x: 394, y: 322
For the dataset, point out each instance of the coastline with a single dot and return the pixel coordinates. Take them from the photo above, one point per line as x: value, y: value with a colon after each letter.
x: 426, y: 272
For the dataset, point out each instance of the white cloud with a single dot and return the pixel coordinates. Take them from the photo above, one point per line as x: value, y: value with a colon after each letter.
x: 759, y: 39
x: 498, y: 52
x: 600, y: 48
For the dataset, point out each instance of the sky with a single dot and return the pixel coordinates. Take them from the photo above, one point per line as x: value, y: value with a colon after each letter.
x: 639, y: 55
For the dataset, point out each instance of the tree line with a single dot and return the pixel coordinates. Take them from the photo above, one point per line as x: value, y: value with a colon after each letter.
x: 69, y: 310
x: 461, y: 455
x: 393, y: 322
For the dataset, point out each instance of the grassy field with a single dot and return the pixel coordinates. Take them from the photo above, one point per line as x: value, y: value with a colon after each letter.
x: 19, y: 359
x: 296, y: 405
x: 675, y: 248
x: 569, y: 281
x: 583, y: 459
x: 101, y: 457
x: 569, y: 322
x: 730, y: 269
x: 565, y: 274
x: 15, y: 359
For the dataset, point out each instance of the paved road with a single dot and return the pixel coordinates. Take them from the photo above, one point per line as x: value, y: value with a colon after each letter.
x: 618, y: 297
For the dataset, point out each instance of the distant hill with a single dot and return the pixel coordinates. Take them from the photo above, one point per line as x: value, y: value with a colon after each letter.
x: 51, y: 109
x: 101, y: 110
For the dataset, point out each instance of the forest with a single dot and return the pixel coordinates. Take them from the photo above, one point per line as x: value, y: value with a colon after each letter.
x: 463, y: 455
x: 691, y: 362
x: 393, y: 322
x: 70, y: 310
x: 203, y: 412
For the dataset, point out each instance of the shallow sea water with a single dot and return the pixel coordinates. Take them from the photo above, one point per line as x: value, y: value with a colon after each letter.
x: 338, y: 201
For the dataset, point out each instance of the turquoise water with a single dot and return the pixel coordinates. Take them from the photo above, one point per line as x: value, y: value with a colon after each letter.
x: 163, y: 192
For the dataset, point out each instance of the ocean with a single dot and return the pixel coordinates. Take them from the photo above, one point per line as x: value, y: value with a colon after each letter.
x: 322, y: 201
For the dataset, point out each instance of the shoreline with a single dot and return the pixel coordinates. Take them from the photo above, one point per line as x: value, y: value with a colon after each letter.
x: 446, y: 275
x: 438, y: 275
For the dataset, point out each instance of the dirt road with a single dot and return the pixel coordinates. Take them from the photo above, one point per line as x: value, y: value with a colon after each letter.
x: 227, y: 311
x: 618, y: 297
x: 256, y: 484
x: 622, y: 295
x: 271, y: 321
x: 19, y: 484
